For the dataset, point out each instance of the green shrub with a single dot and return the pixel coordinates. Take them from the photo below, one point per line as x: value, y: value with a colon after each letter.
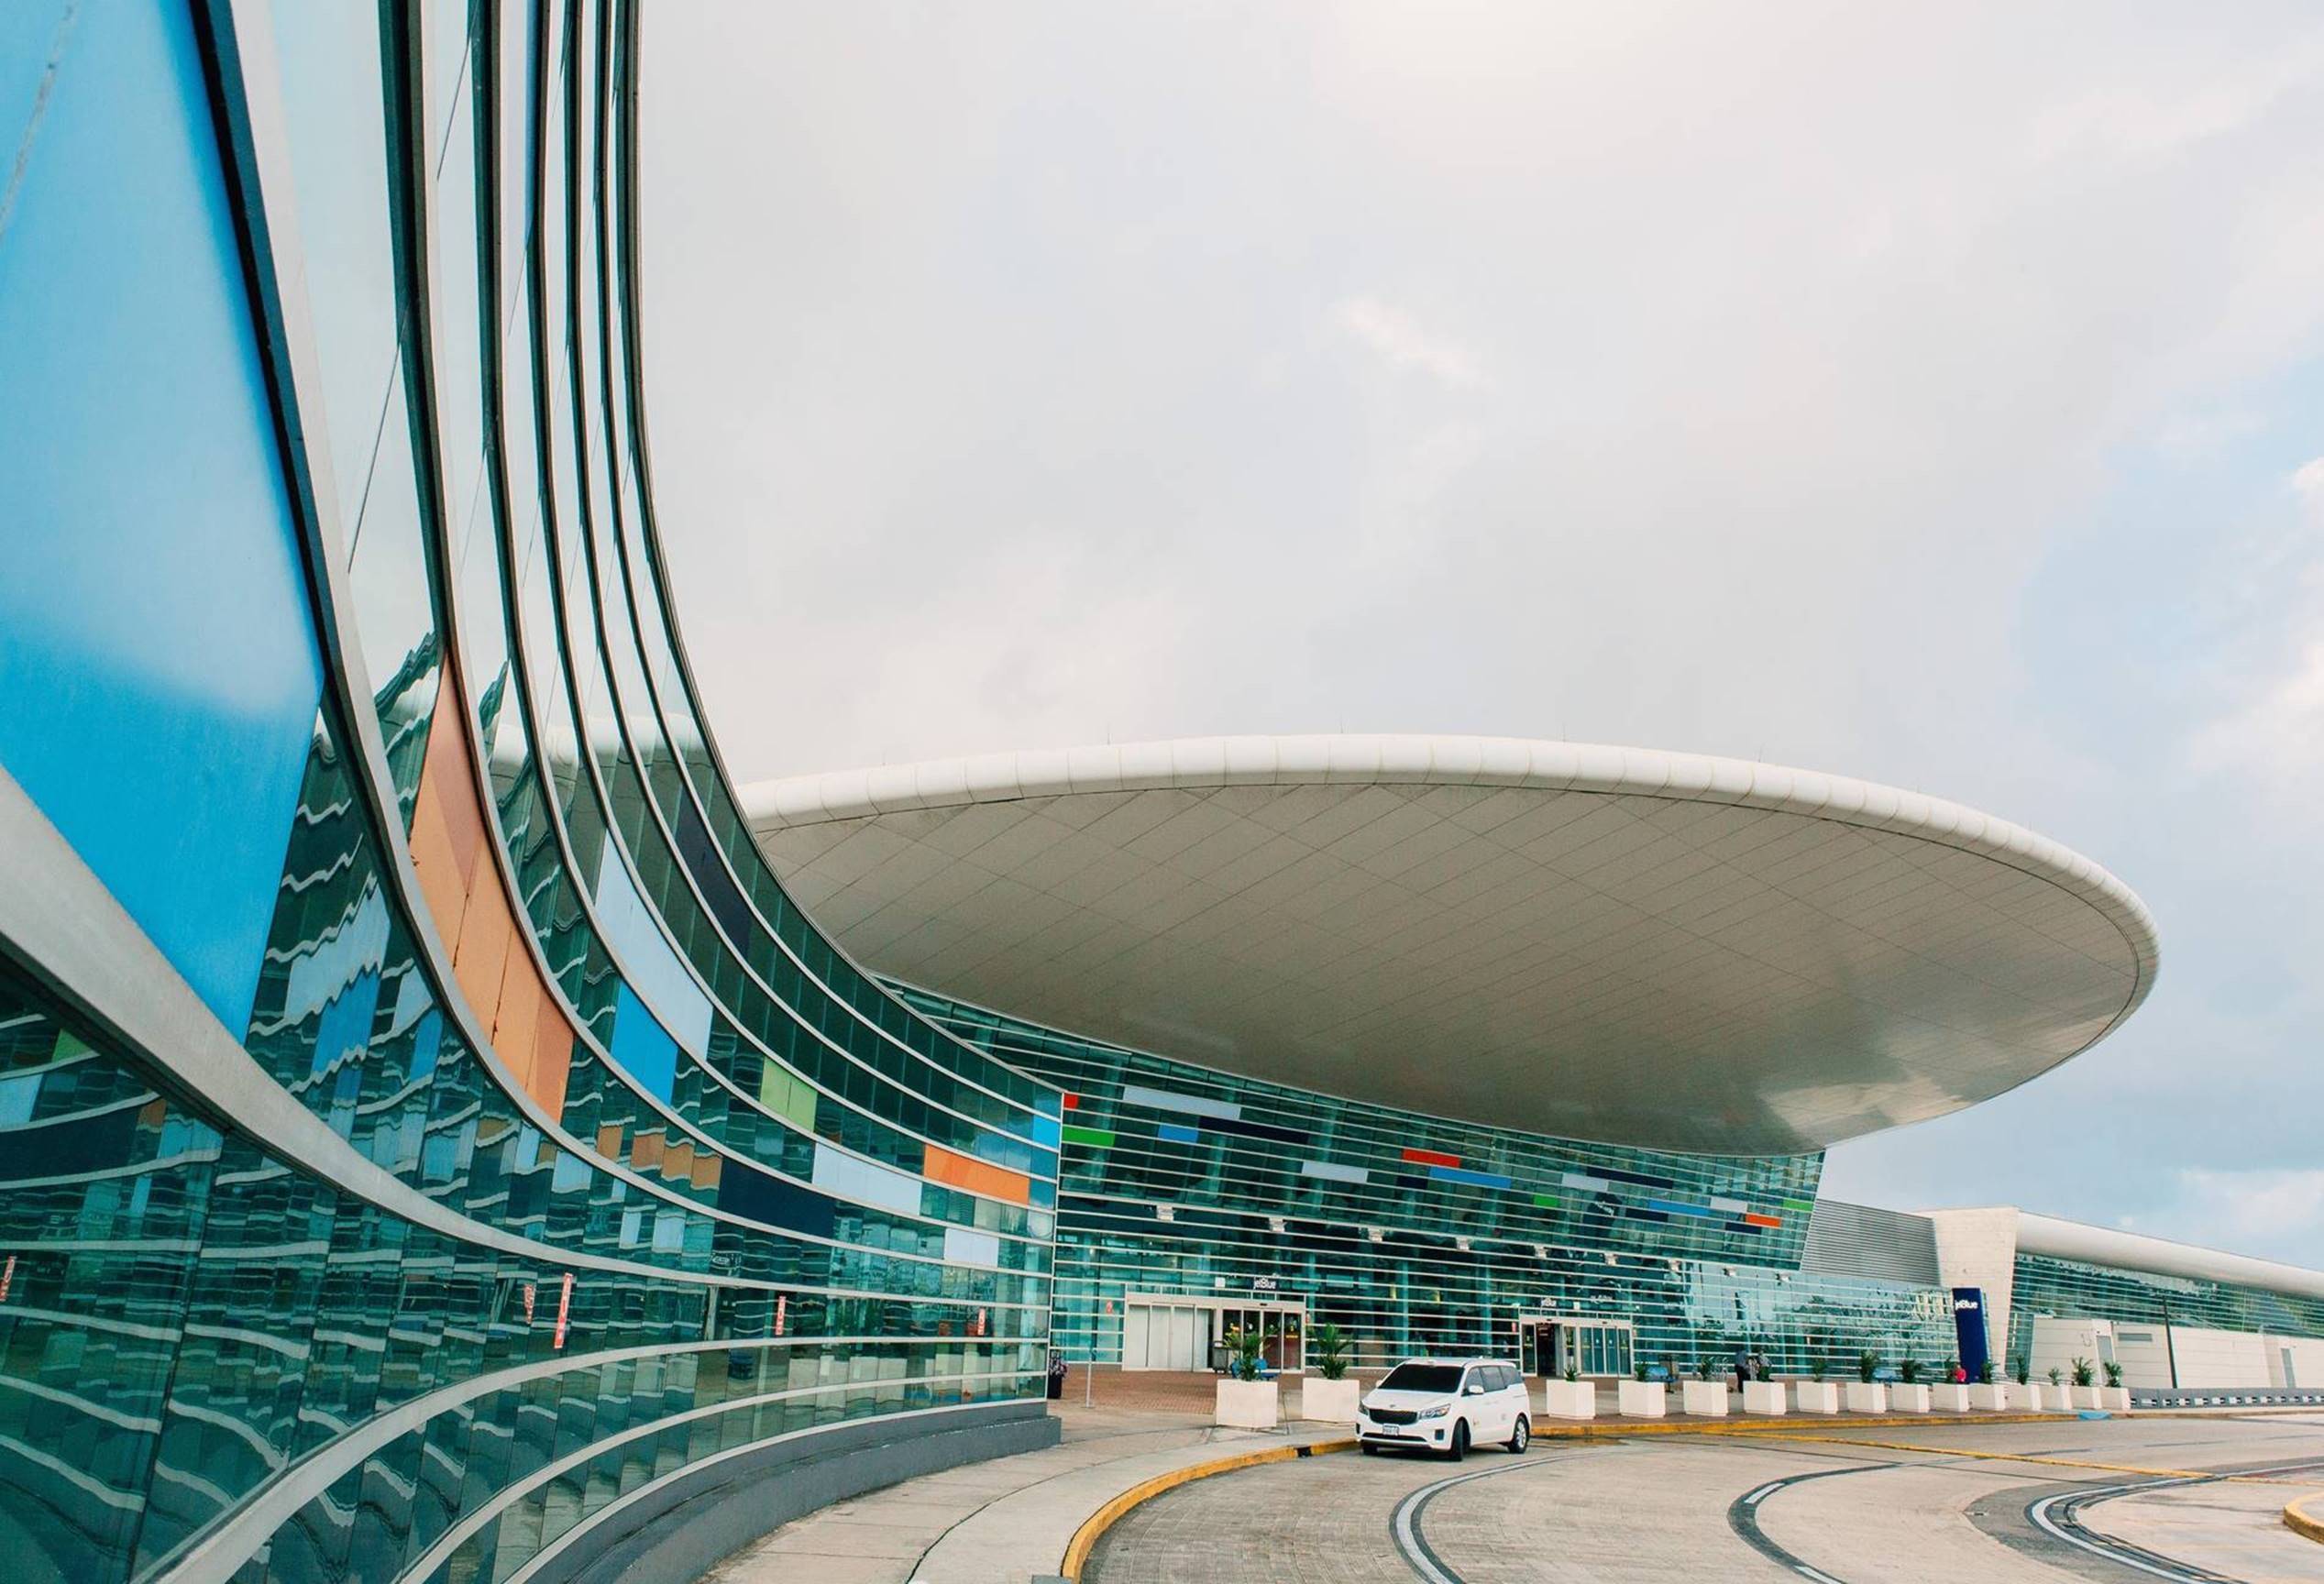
x: 1908, y: 1371
x: 2113, y: 1373
x: 1329, y: 1344
x: 2083, y: 1374
x: 1867, y: 1365
x: 1244, y: 1351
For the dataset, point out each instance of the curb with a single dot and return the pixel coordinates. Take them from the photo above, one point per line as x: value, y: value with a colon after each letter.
x: 2305, y: 1517
x: 1085, y: 1538
x: 1772, y: 1423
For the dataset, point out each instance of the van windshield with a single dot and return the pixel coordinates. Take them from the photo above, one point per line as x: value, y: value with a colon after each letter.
x: 1423, y: 1378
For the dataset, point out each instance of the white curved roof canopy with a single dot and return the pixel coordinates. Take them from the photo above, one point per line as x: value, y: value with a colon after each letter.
x: 2135, y: 1252
x: 1658, y: 949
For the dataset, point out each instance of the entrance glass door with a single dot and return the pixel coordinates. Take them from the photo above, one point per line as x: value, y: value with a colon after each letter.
x: 1282, y: 1330
x: 1592, y: 1348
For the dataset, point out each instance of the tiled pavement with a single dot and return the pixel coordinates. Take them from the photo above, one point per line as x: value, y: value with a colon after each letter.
x: 990, y: 1523
x: 1012, y: 1518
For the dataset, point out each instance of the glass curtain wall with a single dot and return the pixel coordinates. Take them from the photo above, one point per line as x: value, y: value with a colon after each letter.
x: 376, y: 723
x: 1418, y: 1235
x: 2046, y: 1288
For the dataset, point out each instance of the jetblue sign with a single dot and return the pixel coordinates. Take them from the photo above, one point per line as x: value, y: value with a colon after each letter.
x: 1968, y: 1329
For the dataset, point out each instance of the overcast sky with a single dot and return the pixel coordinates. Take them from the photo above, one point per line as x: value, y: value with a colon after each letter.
x: 1931, y: 394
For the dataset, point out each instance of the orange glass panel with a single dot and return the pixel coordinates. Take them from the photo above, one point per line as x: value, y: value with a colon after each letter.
x: 552, y: 1058
x: 976, y: 1176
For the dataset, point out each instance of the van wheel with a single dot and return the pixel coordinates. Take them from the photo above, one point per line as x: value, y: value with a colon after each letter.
x: 1522, y: 1436
x: 1367, y: 1448
x: 1460, y: 1439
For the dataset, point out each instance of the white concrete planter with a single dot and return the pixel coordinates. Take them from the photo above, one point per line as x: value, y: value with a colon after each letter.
x: 1249, y: 1404
x: 1989, y: 1399
x: 2115, y: 1399
x: 1912, y: 1399
x: 1867, y: 1397
x: 1949, y: 1399
x: 1708, y: 1398
x: 1763, y: 1397
x: 2026, y: 1397
x: 1641, y: 1400
x: 1816, y: 1396
x: 1332, y: 1402
x: 1571, y: 1399
x: 2087, y: 1396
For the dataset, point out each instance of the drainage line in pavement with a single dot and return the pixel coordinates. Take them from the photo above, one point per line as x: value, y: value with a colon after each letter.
x: 1412, y: 1543
x: 1743, y: 1517
x: 2060, y: 1517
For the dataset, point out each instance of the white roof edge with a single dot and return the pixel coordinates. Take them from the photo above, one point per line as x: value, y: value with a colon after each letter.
x: 1406, y: 759
x: 2057, y: 1239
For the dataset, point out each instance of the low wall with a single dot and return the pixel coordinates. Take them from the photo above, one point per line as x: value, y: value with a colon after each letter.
x: 676, y: 1529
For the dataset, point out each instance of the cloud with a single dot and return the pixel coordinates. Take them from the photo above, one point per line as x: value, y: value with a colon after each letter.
x: 2278, y: 735
x: 1914, y: 397
x: 1400, y: 342
x: 2276, y: 731
x: 2245, y: 1210
x: 2308, y: 483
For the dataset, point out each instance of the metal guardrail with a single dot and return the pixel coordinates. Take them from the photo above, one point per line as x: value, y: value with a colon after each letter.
x: 2226, y: 1397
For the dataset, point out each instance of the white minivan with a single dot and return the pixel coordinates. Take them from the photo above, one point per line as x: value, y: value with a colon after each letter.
x: 1447, y: 1406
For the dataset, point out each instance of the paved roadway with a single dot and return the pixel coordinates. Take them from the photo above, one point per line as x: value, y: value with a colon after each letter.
x: 2113, y: 1501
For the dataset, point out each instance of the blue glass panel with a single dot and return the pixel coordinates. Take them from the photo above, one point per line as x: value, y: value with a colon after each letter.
x: 646, y: 1052
x: 156, y: 651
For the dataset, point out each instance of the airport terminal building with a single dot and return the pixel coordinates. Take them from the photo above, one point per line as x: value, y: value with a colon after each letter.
x: 449, y: 1131
x: 1524, y: 1048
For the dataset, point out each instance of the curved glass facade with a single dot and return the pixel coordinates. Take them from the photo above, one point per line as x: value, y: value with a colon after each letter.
x: 338, y: 658
x: 1195, y: 1198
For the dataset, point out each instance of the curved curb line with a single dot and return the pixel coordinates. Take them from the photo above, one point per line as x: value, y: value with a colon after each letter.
x: 1085, y: 1538
x: 1788, y: 1427
x: 2305, y: 1517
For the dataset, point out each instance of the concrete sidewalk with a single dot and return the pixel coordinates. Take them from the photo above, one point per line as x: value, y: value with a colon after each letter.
x: 1010, y: 1519
x: 998, y: 1523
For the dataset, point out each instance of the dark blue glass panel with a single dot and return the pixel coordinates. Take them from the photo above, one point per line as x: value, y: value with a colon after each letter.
x: 156, y: 655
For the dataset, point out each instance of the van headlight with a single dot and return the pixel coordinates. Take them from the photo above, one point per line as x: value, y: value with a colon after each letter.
x: 1438, y: 1411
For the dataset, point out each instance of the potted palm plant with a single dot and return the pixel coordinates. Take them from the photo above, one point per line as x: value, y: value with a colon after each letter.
x: 2114, y: 1395
x: 1815, y: 1394
x: 1247, y: 1401
x: 2022, y: 1392
x: 1910, y: 1394
x: 1866, y: 1394
x: 1326, y: 1392
x: 1707, y: 1393
x: 1571, y: 1397
x: 1985, y: 1394
x: 1643, y: 1397
x: 1947, y: 1395
x: 2086, y: 1391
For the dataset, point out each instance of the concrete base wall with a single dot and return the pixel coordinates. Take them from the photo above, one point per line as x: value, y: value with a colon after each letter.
x: 674, y: 1533
x: 2219, y: 1358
